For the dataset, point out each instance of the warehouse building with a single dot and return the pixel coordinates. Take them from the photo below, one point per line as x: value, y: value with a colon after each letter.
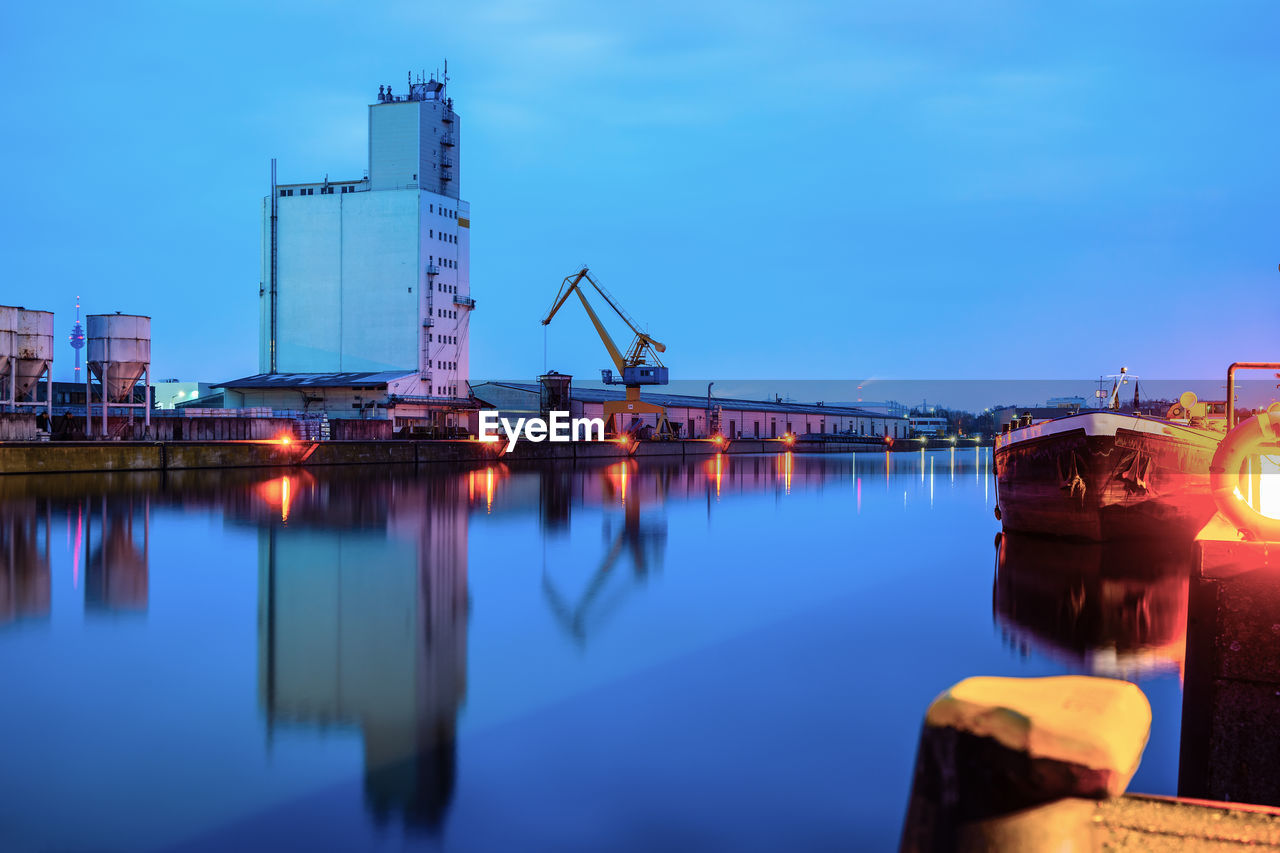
x: 390, y: 395
x: 689, y: 414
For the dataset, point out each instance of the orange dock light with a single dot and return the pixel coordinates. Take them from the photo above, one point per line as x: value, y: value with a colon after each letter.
x: 718, y: 440
x: 789, y: 438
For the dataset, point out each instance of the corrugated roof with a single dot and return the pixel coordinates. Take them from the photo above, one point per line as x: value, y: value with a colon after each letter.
x: 316, y: 380
x: 599, y: 395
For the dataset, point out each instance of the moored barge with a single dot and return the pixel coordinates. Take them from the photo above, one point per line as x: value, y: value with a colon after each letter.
x: 1103, y: 475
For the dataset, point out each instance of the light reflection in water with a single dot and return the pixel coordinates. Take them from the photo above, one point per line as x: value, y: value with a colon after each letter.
x: 117, y: 563
x: 75, y: 559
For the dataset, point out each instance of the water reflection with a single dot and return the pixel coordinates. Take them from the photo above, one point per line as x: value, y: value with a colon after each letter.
x: 363, y: 614
x: 627, y: 531
x: 24, y: 559
x: 116, y: 537
x: 1115, y: 609
x: 334, y: 606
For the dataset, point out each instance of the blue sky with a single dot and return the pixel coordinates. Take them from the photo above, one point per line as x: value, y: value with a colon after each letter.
x: 802, y: 190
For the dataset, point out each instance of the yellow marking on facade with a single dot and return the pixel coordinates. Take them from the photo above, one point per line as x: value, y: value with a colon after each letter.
x: 465, y: 223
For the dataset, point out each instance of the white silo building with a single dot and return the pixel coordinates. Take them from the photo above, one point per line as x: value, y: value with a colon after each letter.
x: 370, y: 277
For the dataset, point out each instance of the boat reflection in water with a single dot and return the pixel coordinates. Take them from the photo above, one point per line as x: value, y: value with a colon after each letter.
x: 24, y: 559
x: 363, y: 621
x: 1116, y: 608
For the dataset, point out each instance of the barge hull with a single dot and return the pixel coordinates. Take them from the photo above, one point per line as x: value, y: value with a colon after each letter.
x: 1130, y: 485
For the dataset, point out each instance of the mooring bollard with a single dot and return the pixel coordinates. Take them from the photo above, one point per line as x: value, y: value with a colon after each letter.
x: 994, y: 748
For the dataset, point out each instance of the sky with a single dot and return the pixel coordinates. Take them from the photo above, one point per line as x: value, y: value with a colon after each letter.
x: 915, y: 190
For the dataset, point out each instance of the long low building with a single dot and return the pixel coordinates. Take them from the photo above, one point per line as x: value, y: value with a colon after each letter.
x: 688, y: 414
x: 387, y: 395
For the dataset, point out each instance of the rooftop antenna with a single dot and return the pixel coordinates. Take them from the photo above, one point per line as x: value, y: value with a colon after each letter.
x: 445, y: 78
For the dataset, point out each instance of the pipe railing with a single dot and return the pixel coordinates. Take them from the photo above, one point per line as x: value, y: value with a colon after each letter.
x: 1231, y: 384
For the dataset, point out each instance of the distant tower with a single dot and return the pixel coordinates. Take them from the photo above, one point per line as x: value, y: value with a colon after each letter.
x: 77, y: 338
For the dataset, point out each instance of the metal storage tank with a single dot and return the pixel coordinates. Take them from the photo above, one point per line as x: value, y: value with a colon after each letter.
x: 121, y: 343
x: 8, y: 345
x: 33, y: 351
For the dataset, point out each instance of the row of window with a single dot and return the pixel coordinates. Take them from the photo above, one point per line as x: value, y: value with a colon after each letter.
x: 447, y: 365
x: 447, y: 238
x: 451, y: 214
x: 444, y: 339
x: 446, y: 288
x: 773, y: 429
x: 451, y: 390
x: 446, y: 312
x: 312, y: 191
x: 444, y: 262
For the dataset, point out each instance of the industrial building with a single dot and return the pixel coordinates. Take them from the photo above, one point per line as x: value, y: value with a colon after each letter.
x: 701, y: 417
x: 371, y: 275
x: 168, y: 393
x: 388, y: 395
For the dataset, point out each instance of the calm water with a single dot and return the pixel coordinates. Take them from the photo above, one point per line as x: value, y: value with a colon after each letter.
x: 729, y: 654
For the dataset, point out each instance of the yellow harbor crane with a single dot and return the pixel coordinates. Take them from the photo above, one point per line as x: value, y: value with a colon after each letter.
x: 640, y: 365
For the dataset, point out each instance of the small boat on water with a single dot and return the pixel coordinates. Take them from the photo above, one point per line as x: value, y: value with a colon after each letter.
x: 1105, y: 474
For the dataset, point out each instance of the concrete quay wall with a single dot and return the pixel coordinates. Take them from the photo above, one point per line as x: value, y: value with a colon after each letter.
x: 75, y: 456
x: 32, y: 457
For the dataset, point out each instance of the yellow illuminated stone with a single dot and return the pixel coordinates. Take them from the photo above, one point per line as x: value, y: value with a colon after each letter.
x: 1096, y: 723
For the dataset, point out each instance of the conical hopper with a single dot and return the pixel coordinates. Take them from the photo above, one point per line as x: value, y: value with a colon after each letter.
x: 8, y: 343
x: 123, y: 342
x: 34, y: 347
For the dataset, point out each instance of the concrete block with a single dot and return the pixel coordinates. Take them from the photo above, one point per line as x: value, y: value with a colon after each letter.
x: 700, y: 447
x: 600, y: 450
x: 230, y: 454
x: 1231, y: 695
x: 751, y: 445
x: 54, y: 457
x: 455, y: 451
x: 658, y: 448
x: 360, y: 452
x: 18, y: 426
x: 993, y: 746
